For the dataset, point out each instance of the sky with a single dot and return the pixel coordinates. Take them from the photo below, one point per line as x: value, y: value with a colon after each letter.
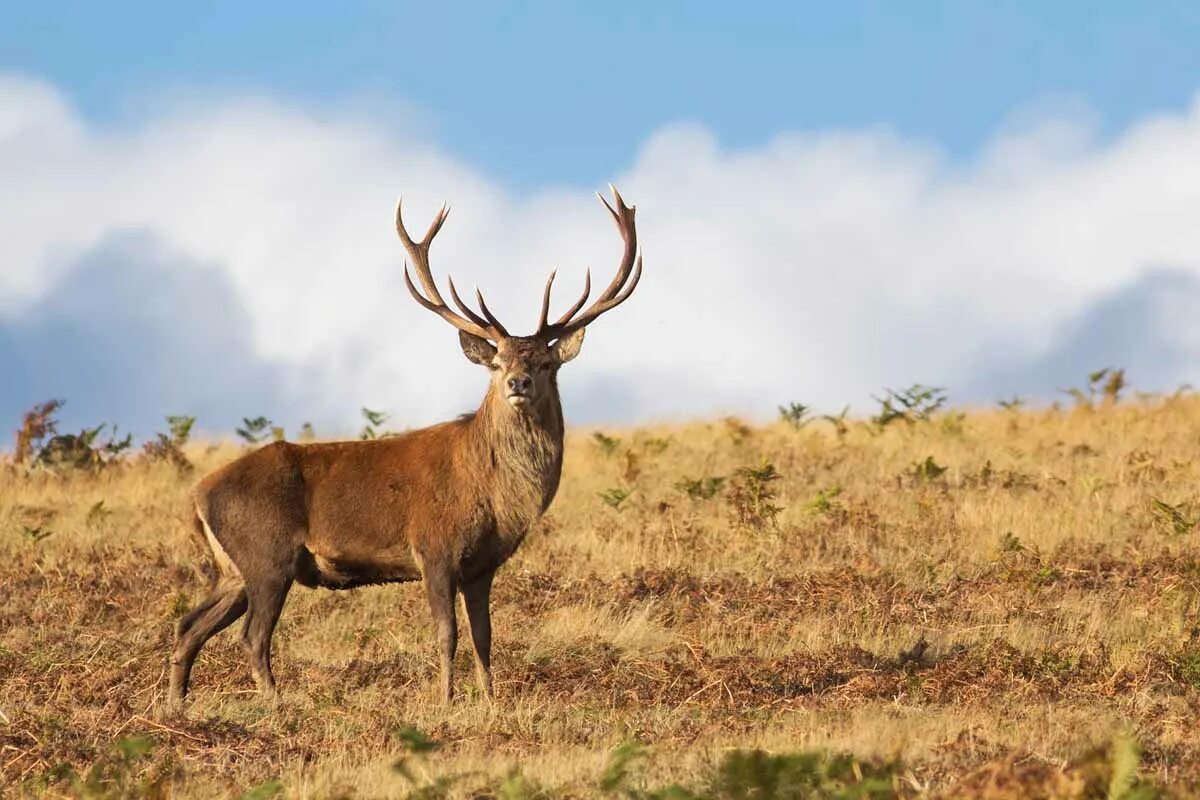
x: 992, y: 197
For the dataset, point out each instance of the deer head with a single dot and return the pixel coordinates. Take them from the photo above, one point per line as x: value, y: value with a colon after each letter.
x: 524, y: 368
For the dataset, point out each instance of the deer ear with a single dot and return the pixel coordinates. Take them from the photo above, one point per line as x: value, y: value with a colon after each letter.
x: 478, y: 351
x: 568, y: 347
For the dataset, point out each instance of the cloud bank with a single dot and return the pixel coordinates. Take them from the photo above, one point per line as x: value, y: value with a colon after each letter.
x: 237, y: 257
x: 130, y: 337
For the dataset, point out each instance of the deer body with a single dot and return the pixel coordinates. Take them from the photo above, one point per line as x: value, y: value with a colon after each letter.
x: 359, y: 513
x: 448, y: 504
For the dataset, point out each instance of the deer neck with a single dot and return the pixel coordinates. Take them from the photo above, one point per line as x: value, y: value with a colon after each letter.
x: 525, y: 448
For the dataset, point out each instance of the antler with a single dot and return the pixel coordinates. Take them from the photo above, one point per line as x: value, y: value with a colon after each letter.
x: 489, y: 328
x: 617, y: 291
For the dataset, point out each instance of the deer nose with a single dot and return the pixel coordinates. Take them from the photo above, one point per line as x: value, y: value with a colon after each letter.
x: 519, y: 383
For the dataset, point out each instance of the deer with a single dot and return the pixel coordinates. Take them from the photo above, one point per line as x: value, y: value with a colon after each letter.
x: 447, y: 505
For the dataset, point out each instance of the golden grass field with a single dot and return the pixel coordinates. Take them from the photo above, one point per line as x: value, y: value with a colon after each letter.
x: 1023, y: 624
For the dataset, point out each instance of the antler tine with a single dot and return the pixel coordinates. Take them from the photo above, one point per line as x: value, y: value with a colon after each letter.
x: 601, y: 306
x: 444, y: 312
x: 619, y: 289
x: 583, y: 298
x: 623, y: 216
x: 487, y: 312
x: 620, y: 201
x: 471, y: 315
x: 418, y: 252
x: 543, y: 318
x: 439, y: 219
x: 544, y: 327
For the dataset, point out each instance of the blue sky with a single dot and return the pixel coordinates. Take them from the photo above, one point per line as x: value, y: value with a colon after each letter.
x: 997, y: 198
x: 545, y: 92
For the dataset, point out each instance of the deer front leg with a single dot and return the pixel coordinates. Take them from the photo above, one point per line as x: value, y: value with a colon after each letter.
x: 440, y: 588
x: 476, y: 601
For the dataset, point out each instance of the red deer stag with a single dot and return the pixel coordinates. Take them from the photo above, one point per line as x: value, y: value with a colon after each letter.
x: 446, y: 504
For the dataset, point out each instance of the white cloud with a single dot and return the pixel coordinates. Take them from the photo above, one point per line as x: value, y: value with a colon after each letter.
x: 817, y: 267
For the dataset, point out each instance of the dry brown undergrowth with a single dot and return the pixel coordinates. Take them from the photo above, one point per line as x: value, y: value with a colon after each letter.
x: 984, y: 599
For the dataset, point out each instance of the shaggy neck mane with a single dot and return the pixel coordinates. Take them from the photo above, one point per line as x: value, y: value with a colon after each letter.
x: 526, y: 446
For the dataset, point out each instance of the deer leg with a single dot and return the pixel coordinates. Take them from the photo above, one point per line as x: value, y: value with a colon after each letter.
x: 185, y: 623
x: 218, y: 611
x: 476, y: 598
x: 440, y: 588
x: 266, y: 601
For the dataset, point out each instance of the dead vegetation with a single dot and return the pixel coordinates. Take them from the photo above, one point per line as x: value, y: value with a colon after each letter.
x: 996, y: 604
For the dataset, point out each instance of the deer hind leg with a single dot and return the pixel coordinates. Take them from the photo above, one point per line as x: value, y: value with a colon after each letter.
x: 218, y: 611
x: 476, y: 598
x: 266, y: 598
x: 440, y: 589
x: 224, y: 604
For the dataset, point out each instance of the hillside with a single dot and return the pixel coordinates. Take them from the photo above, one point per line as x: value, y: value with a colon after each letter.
x: 999, y: 603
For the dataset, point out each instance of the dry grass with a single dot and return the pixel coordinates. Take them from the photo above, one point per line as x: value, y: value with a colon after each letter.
x: 990, y: 628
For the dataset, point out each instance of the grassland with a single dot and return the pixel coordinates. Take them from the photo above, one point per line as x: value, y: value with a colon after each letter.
x: 983, y: 604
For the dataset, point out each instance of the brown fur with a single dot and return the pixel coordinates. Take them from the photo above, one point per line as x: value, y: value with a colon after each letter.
x: 448, y: 504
